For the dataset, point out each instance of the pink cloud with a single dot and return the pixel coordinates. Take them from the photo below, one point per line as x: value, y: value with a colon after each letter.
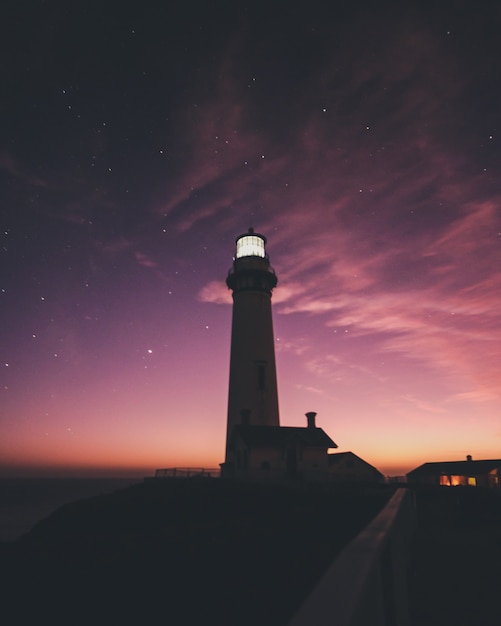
x: 145, y: 260
x: 374, y: 225
x: 215, y: 292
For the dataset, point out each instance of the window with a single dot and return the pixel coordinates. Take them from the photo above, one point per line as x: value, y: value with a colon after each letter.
x: 472, y: 481
x: 452, y: 481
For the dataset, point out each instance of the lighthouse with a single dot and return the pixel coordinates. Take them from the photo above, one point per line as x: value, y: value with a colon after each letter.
x: 257, y: 447
x: 253, y: 396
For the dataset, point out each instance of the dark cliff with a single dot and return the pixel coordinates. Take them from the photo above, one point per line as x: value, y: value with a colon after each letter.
x: 182, y: 552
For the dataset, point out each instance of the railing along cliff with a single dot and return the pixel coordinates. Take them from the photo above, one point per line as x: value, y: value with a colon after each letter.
x: 367, y: 584
x: 187, y: 472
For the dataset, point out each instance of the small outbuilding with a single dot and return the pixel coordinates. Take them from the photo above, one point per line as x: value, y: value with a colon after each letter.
x: 485, y: 473
x: 348, y: 467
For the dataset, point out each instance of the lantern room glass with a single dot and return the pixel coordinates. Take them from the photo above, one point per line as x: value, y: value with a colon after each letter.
x: 250, y: 245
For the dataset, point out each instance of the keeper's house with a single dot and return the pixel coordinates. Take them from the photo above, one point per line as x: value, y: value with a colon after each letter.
x: 470, y: 473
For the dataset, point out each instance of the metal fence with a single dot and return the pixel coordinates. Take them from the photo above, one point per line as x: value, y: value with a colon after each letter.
x: 187, y: 472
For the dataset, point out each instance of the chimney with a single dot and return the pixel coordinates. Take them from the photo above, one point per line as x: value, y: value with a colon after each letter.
x: 311, y: 419
x: 468, y: 457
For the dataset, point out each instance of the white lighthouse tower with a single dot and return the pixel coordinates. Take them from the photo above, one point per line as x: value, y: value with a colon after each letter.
x: 253, y: 397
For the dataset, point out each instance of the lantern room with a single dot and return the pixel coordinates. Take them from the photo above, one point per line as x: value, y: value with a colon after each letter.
x: 251, y: 244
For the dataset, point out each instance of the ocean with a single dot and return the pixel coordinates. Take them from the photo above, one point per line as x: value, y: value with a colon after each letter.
x: 26, y: 501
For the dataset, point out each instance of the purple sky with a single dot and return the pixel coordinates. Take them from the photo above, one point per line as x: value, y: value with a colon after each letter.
x: 139, y: 140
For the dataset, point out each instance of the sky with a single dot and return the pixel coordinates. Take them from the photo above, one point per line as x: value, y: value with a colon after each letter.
x: 138, y: 140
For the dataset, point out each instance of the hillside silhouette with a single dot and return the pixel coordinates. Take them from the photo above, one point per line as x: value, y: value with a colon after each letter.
x: 183, y: 552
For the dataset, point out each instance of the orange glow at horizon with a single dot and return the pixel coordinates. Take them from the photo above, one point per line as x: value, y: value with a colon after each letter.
x: 367, y: 152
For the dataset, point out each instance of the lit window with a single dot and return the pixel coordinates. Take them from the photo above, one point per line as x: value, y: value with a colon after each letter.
x: 472, y: 481
x: 452, y: 481
x: 250, y: 245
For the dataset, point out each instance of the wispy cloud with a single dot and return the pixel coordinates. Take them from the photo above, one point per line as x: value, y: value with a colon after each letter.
x: 215, y: 292
x: 379, y: 223
x: 145, y: 260
x: 17, y: 170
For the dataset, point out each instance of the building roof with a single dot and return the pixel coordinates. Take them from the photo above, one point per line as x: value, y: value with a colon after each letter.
x: 335, y: 458
x: 459, y: 468
x: 264, y: 436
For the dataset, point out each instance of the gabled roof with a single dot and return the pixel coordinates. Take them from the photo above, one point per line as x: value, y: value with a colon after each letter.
x: 335, y: 458
x: 264, y: 436
x: 458, y: 468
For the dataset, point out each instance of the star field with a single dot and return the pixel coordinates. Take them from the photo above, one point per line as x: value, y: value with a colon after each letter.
x: 139, y: 140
